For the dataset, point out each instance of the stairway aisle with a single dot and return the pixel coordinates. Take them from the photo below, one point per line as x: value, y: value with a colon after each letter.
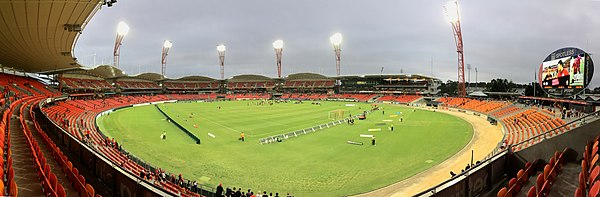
x: 25, y: 174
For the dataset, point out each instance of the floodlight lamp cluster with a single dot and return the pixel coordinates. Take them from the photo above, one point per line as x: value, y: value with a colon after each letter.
x: 336, y: 39
x: 167, y: 44
x: 278, y: 44
x: 451, y: 11
x: 122, y: 28
x: 221, y: 48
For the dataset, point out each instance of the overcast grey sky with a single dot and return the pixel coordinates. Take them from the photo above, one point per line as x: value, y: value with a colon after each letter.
x: 503, y: 39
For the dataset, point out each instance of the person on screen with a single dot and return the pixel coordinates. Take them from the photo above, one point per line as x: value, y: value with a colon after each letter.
x: 577, y: 65
x: 548, y: 76
x: 561, y: 70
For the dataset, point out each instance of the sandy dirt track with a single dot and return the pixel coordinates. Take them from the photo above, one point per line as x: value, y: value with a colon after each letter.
x: 485, y: 138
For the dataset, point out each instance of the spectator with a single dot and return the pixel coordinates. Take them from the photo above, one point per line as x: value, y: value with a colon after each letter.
x: 219, y: 192
x: 229, y: 192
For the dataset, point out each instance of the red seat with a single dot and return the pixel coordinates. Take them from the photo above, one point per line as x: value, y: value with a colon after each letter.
x: 584, y: 169
x: 531, y: 192
x: 53, y: 181
x: 578, y: 193
x: 581, y: 181
x: 593, y: 175
x: 513, y: 186
x: 60, y: 191
x: 539, y: 183
x: 594, y: 190
x: 14, y: 190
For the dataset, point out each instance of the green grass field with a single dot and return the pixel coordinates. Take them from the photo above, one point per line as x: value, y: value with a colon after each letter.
x: 316, y: 164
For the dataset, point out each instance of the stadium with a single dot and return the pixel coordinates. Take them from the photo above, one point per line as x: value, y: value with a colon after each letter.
x: 70, y: 128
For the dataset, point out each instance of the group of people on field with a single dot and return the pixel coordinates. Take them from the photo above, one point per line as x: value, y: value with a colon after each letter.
x: 237, y: 192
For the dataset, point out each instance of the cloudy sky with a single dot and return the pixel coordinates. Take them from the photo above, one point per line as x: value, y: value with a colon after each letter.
x: 502, y: 38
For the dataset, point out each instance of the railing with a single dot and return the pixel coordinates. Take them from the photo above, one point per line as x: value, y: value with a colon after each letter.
x: 285, y: 136
x: 461, y: 184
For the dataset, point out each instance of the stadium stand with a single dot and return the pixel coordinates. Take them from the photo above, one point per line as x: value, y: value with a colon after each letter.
x: 77, y: 116
x: 89, y: 84
x: 482, y: 106
x: 58, y: 177
x: 544, y: 181
x: 400, y: 99
x: 137, y: 85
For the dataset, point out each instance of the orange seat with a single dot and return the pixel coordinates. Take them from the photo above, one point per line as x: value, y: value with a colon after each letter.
x: 502, y: 192
x: 90, y: 190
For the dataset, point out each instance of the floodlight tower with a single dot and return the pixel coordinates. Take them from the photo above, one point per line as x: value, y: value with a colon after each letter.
x: 336, y: 41
x: 476, y: 78
x: 165, y: 51
x: 451, y: 10
x: 221, y: 50
x: 469, y: 75
x: 278, y: 46
x: 122, y: 30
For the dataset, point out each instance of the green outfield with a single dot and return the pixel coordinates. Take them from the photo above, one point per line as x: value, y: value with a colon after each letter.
x: 316, y: 164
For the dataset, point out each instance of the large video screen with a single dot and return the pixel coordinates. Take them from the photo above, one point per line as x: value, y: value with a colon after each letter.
x: 566, y: 72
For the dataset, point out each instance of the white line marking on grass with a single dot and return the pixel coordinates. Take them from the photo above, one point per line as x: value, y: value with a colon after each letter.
x: 211, y: 121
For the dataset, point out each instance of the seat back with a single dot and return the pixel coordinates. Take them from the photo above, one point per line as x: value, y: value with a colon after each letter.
x: 593, y: 175
x: 594, y: 189
x: 539, y: 183
x: 531, y: 192
x: 502, y: 192
x: 578, y: 193
x: 60, y: 191
x: 90, y: 190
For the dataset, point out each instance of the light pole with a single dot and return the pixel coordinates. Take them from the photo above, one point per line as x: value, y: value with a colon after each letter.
x: 475, y: 77
x: 221, y: 50
x: 278, y: 46
x: 469, y: 75
x: 336, y: 41
x: 165, y: 51
x: 451, y: 10
x: 122, y: 30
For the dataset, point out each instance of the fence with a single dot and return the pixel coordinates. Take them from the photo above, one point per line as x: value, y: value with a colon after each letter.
x: 285, y: 136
